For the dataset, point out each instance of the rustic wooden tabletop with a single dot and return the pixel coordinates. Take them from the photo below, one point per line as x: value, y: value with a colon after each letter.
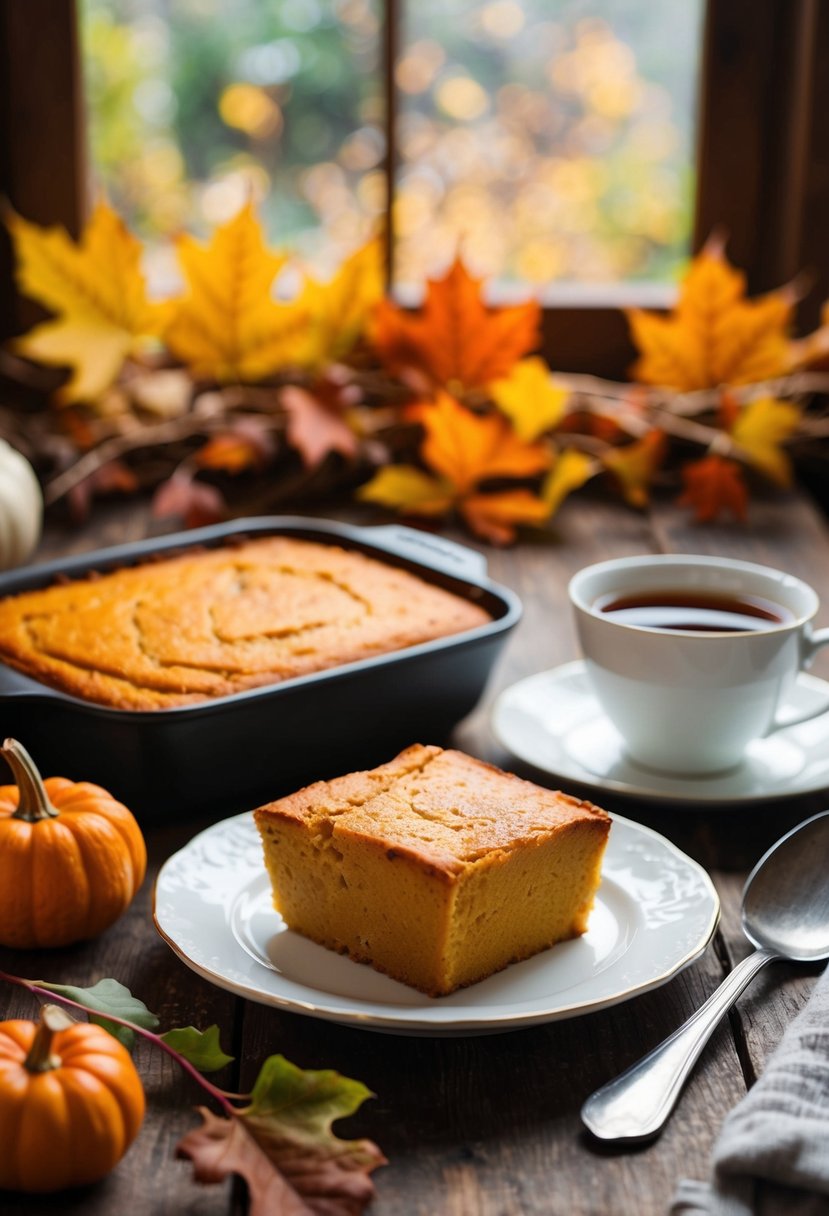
x: 486, y: 1125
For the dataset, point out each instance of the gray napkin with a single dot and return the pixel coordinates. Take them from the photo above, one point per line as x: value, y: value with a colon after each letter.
x: 772, y: 1155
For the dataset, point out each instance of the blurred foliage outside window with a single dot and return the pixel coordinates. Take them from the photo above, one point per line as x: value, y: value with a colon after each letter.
x: 548, y: 140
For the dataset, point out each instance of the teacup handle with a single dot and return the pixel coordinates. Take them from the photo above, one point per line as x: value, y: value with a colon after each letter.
x: 811, y: 645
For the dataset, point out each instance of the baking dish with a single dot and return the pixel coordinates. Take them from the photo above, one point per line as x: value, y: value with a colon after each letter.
x: 230, y: 752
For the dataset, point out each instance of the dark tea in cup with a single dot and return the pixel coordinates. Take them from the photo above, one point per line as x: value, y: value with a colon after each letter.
x: 693, y: 611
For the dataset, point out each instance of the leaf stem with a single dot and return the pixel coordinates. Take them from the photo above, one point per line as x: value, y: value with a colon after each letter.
x: 219, y: 1095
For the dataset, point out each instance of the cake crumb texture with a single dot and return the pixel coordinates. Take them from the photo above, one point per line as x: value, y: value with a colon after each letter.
x: 436, y: 868
x: 217, y: 621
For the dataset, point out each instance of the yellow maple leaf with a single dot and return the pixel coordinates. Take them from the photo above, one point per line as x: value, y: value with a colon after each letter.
x: 406, y: 488
x: 759, y: 430
x: 570, y: 471
x: 635, y: 464
x: 530, y: 398
x: 96, y: 288
x: 715, y: 335
x: 338, y: 311
x: 228, y: 326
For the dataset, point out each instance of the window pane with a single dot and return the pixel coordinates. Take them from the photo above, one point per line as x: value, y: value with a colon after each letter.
x: 550, y: 140
x: 194, y: 105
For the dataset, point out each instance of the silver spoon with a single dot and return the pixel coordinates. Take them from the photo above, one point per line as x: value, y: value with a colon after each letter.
x: 785, y: 914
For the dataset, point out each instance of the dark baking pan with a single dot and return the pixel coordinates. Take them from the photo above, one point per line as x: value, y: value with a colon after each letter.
x: 231, y: 752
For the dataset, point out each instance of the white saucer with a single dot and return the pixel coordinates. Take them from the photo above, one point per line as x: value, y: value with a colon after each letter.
x: 655, y: 912
x: 553, y: 722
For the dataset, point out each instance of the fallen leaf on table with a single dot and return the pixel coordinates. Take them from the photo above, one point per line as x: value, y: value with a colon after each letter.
x: 246, y: 444
x: 200, y: 1047
x: 96, y: 288
x: 407, y: 488
x: 468, y: 448
x: 635, y: 464
x: 108, y: 996
x: 530, y: 398
x: 227, y: 326
x: 315, y: 425
x: 283, y: 1146
x: 570, y: 471
x: 194, y: 502
x: 714, y: 485
x: 760, y: 428
x: 496, y: 516
x: 114, y: 477
x: 338, y: 311
x: 164, y: 393
x: 455, y: 340
x: 715, y: 335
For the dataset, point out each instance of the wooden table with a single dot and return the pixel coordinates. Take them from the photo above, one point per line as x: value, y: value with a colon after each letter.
x: 489, y: 1125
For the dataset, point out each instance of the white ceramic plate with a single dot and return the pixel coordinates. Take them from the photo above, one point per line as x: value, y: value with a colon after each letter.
x: 554, y: 722
x: 655, y: 913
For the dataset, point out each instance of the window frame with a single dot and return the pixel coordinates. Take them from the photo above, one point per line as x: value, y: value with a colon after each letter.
x: 762, y: 157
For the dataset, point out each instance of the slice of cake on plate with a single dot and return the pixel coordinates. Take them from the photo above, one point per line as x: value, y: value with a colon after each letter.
x: 435, y: 868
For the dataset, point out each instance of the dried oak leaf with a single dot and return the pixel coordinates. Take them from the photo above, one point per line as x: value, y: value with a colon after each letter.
x: 715, y: 335
x: 455, y: 340
x: 227, y: 326
x: 283, y: 1146
x: 530, y: 398
x: 714, y: 485
x: 634, y: 465
x: 96, y: 288
x: 338, y: 311
x: 195, y: 502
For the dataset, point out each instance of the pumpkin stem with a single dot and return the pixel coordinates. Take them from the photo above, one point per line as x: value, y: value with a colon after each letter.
x: 33, y: 801
x: 40, y: 1058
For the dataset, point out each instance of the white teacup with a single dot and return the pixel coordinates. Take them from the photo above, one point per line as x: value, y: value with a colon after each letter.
x: 690, y: 701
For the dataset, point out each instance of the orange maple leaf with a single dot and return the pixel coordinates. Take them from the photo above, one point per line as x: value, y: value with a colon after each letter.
x: 468, y: 448
x: 714, y: 485
x: 715, y: 335
x: 455, y: 340
x: 495, y: 516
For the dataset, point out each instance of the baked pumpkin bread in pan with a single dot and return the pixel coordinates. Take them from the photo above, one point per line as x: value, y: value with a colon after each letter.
x: 435, y: 868
x: 217, y: 621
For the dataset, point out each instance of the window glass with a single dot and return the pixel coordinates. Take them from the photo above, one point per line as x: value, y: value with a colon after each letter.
x: 196, y: 105
x: 552, y: 140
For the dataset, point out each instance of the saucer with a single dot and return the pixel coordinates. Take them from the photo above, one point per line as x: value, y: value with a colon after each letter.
x: 553, y: 722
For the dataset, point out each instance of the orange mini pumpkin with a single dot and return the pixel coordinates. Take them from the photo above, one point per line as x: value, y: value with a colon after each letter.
x: 71, y: 1102
x: 71, y: 857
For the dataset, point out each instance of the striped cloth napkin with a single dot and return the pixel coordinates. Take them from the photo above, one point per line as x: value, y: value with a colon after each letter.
x: 772, y: 1154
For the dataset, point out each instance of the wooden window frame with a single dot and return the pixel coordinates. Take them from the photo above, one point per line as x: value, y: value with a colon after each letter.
x: 762, y: 156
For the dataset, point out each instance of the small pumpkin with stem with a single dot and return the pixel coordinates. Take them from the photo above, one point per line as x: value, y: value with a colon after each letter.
x: 71, y: 857
x: 71, y: 1102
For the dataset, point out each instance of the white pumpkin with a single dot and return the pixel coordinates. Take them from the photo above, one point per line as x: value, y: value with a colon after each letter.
x: 21, y: 507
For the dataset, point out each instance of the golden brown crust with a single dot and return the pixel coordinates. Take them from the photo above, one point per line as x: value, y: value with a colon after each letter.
x: 215, y: 622
x: 435, y: 868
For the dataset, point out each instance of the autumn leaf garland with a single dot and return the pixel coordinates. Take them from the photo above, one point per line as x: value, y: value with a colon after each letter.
x: 438, y: 410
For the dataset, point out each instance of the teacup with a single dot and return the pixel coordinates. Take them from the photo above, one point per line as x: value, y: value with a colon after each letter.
x: 688, y: 697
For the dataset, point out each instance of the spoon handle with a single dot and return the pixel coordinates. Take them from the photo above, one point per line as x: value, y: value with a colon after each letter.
x: 636, y: 1105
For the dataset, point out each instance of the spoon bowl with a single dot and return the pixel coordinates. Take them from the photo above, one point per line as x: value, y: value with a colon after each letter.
x: 785, y: 914
x: 786, y: 896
